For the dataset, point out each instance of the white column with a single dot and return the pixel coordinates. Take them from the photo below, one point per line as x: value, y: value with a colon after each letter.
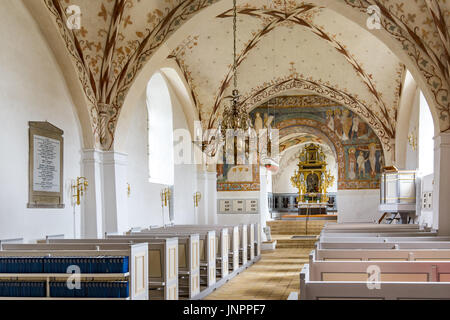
x: 92, y: 209
x: 202, y: 210
x: 441, y: 188
x: 263, y: 201
x: 115, y: 191
x: 212, y: 197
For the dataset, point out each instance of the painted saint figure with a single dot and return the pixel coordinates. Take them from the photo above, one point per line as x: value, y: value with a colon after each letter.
x: 352, y: 163
x: 373, y: 159
x: 258, y: 122
x: 355, y: 127
x: 337, y: 123
x: 330, y: 120
x: 346, y: 124
x: 361, y: 161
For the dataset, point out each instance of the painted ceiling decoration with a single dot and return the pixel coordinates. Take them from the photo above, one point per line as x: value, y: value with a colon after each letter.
x: 317, y: 50
x: 119, y: 38
x: 422, y: 28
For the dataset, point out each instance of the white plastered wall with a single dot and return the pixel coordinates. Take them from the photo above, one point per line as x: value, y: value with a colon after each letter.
x: 32, y: 88
x: 144, y: 203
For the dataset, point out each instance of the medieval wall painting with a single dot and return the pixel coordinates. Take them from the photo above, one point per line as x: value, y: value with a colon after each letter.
x: 362, y: 159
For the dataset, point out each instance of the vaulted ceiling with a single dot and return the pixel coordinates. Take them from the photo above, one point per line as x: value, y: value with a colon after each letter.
x: 283, y: 46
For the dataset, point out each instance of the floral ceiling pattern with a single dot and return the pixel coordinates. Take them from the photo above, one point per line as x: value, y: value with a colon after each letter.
x: 305, y: 44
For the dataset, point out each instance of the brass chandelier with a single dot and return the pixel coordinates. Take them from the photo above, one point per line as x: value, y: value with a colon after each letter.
x: 235, y: 116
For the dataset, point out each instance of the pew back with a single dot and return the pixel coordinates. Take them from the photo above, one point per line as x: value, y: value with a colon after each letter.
x: 162, y: 262
x: 137, y: 276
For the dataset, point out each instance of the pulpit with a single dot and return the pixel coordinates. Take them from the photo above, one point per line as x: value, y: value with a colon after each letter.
x: 398, y: 193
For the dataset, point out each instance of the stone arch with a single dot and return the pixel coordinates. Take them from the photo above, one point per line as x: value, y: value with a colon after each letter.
x: 289, y: 126
x: 177, y: 88
x: 289, y: 84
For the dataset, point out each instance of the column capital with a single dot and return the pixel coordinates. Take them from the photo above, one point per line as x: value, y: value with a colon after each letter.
x: 207, y: 175
x: 442, y: 140
x: 113, y: 157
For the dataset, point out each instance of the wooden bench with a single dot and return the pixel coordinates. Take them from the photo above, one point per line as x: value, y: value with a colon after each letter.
x: 347, y: 275
x: 359, y: 290
x: 188, y: 259
x: 243, y: 238
x: 222, y: 244
x: 136, y: 278
x: 207, y: 251
x: 370, y: 227
x: 162, y: 262
x: 383, y: 255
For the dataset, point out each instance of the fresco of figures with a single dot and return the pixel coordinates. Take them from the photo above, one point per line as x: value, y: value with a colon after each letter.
x: 363, y: 158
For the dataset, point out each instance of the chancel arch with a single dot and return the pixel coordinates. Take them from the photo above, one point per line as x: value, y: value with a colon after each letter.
x: 289, y: 159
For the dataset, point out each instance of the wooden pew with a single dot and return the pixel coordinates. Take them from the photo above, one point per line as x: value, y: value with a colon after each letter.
x: 188, y: 259
x: 233, y: 243
x: 251, y: 242
x: 7, y: 241
x: 391, y: 271
x: 162, y: 263
x: 243, y: 238
x: 222, y: 245
x: 396, y: 277
x: 137, y: 277
x: 382, y: 255
x: 370, y: 227
x: 207, y: 251
x: 359, y: 290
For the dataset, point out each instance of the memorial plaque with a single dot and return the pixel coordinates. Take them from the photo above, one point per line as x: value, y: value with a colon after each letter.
x: 46, y: 146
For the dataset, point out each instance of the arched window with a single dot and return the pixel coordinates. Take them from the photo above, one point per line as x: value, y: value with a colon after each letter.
x: 160, y: 131
x: 426, y: 141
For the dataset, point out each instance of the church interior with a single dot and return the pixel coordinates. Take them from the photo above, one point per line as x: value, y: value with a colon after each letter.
x: 225, y: 149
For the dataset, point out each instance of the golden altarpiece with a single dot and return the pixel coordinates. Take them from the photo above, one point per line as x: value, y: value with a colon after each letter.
x: 312, y: 178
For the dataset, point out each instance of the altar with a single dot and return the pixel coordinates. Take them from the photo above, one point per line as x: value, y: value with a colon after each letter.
x: 312, y: 180
x: 312, y: 208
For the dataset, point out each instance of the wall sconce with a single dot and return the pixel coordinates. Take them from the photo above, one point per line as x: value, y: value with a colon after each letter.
x: 412, y: 139
x: 128, y: 190
x: 197, y: 198
x: 79, y: 189
x: 165, y: 197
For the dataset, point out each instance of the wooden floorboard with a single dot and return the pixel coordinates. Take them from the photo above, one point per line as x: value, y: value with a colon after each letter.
x: 274, y: 277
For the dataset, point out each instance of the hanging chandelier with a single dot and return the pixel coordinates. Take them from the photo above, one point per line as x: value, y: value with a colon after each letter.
x: 235, y: 116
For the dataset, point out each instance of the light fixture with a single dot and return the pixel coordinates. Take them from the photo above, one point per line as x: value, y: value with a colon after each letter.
x: 79, y: 188
x: 197, y: 198
x: 235, y: 118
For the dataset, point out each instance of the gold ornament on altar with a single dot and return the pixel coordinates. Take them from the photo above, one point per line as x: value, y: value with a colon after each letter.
x: 312, y: 178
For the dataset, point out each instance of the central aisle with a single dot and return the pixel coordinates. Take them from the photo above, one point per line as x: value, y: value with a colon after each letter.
x: 274, y: 277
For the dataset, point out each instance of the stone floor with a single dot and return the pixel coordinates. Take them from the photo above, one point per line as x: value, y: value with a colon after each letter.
x: 274, y: 277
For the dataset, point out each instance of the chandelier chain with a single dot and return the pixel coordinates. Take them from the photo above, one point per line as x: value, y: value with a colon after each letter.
x: 234, y: 39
